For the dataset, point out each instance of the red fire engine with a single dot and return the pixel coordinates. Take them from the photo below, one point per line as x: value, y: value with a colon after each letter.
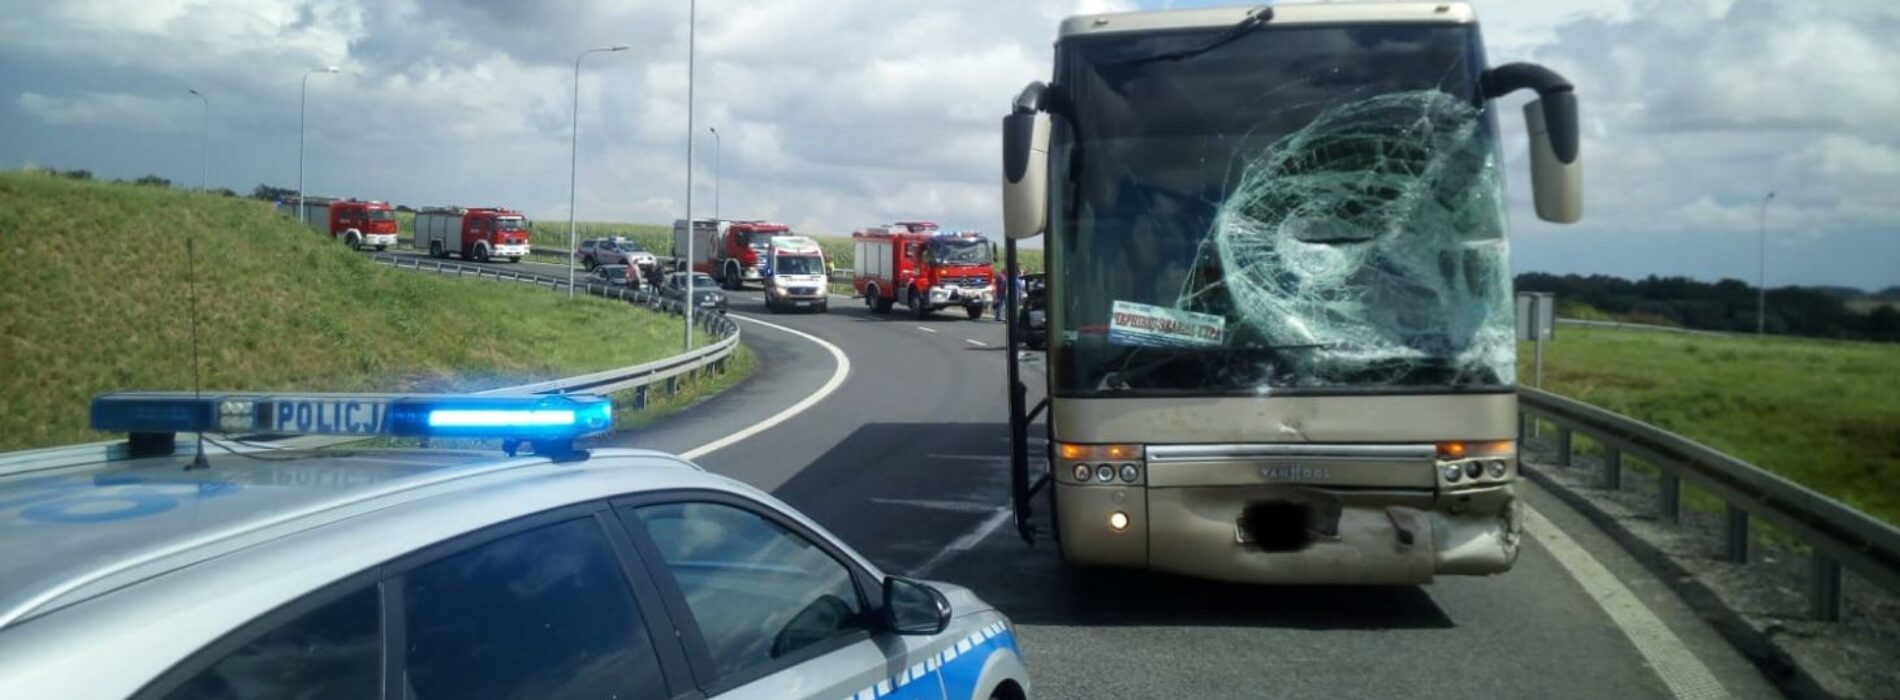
x: 730, y: 251
x: 914, y: 264
x: 475, y: 234
x: 353, y: 221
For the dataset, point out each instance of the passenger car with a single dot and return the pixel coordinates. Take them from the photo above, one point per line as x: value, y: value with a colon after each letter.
x: 442, y: 573
x: 706, y: 294
x: 617, y: 275
x: 614, y: 251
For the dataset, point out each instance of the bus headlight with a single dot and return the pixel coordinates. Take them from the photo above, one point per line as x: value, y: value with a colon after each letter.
x: 1454, y: 472
x: 1498, y: 469
x: 1104, y: 473
x: 1130, y: 473
x: 1082, y: 472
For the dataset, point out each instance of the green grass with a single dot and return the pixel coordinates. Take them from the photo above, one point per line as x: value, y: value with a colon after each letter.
x: 93, y: 298
x: 1823, y: 413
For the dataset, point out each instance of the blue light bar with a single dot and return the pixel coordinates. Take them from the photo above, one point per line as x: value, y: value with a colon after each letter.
x: 527, y: 418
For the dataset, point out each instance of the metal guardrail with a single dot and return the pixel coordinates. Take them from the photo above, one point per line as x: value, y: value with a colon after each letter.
x: 1619, y: 325
x: 639, y: 377
x: 1838, y: 534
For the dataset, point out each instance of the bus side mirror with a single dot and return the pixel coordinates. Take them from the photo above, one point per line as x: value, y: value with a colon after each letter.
x: 1551, y: 121
x: 1556, y: 166
x: 1026, y: 167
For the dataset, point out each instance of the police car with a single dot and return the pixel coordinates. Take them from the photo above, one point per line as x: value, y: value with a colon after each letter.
x: 356, y: 572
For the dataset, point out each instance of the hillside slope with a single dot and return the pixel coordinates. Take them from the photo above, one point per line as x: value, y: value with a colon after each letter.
x: 93, y: 298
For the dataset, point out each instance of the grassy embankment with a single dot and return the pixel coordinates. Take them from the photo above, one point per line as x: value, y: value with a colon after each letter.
x: 93, y: 298
x: 1823, y: 413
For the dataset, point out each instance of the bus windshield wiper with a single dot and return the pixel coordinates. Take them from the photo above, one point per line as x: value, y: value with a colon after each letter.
x: 1256, y: 19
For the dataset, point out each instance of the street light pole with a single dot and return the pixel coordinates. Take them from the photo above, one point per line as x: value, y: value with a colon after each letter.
x: 692, y: 18
x: 204, y: 144
x: 719, y: 150
x: 1761, y: 278
x: 303, y: 109
x: 573, y: 162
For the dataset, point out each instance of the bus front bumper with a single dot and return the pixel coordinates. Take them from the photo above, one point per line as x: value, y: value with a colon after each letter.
x: 1303, y: 534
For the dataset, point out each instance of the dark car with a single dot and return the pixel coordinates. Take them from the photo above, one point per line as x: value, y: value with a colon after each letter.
x: 617, y: 275
x: 1032, y: 325
x: 706, y: 294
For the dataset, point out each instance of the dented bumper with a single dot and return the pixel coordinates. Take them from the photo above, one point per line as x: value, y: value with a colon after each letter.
x: 1398, y: 537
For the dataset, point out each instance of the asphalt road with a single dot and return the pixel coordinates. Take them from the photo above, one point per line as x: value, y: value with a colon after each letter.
x: 907, y: 461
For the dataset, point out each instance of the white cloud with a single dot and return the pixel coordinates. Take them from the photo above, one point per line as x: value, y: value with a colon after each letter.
x: 840, y: 113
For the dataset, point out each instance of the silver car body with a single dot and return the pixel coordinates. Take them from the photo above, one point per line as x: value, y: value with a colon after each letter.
x: 116, y: 572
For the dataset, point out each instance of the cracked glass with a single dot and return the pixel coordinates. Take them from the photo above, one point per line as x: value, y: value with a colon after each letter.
x: 1309, y: 208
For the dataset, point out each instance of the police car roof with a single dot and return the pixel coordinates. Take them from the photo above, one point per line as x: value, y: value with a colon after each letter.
x: 76, y: 533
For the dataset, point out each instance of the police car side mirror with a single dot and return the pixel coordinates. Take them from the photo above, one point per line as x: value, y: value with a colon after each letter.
x: 910, y: 607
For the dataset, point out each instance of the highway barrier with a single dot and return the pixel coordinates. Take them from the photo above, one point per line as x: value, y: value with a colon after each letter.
x: 1836, y: 534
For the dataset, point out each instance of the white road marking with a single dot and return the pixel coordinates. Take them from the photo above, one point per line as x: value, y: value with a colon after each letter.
x: 975, y: 342
x: 926, y: 330
x: 968, y: 541
x: 956, y: 506
x: 837, y: 379
x: 1680, y: 670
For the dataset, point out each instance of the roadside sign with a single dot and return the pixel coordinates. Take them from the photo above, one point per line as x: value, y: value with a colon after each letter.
x: 1536, y: 316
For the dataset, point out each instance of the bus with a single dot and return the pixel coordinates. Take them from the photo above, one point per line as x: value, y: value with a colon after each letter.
x: 1280, y: 331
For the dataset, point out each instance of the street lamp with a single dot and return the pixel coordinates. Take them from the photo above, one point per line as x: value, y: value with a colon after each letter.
x: 692, y: 18
x: 302, y: 106
x: 573, y: 162
x: 204, y: 144
x: 719, y: 149
x: 1761, y: 278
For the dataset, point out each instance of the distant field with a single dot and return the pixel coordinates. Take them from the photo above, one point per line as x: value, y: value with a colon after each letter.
x: 280, y: 307
x: 1824, y: 413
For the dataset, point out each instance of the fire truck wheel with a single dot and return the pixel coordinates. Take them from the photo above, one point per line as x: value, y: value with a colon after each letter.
x: 870, y: 296
x: 514, y: 258
x: 917, y: 306
x: 975, y: 311
x: 481, y: 253
x: 883, y: 306
x: 435, y: 250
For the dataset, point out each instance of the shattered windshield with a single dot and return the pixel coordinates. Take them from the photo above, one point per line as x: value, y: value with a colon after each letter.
x: 1304, y: 208
x: 960, y: 251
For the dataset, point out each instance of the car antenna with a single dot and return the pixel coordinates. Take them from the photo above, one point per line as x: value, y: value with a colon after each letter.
x: 197, y: 392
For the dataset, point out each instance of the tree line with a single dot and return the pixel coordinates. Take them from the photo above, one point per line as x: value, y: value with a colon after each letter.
x: 1727, y: 305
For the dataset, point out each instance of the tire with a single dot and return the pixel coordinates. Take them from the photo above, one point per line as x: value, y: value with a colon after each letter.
x: 588, y: 263
x: 514, y: 258
x: 381, y: 248
x: 870, y: 296
x: 883, y: 305
x: 731, y: 281
x: 353, y: 242
x: 481, y: 253
x: 918, y: 308
x: 435, y: 250
x: 975, y: 311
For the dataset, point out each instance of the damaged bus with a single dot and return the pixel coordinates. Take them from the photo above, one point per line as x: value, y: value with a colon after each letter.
x: 1280, y: 328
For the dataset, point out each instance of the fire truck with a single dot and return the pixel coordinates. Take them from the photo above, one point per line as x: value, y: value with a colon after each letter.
x: 357, y: 223
x: 730, y: 251
x: 480, y: 234
x: 914, y: 264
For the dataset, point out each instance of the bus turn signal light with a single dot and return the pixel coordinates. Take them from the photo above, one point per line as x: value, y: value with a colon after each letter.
x: 1460, y: 449
x: 1078, y: 452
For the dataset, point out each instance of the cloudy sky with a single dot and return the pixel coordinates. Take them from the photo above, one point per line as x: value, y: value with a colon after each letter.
x: 840, y: 113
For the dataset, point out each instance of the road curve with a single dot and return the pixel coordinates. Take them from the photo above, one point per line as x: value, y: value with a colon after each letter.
x: 906, y: 459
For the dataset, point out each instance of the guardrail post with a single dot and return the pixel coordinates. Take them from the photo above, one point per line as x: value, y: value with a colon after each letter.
x: 640, y: 397
x: 672, y: 385
x: 1563, y: 446
x: 1669, y: 495
x: 1737, y: 534
x: 1612, y: 468
x: 1824, y: 588
x: 1524, y: 421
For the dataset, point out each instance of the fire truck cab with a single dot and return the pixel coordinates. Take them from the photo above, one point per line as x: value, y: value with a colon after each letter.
x: 915, y: 264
